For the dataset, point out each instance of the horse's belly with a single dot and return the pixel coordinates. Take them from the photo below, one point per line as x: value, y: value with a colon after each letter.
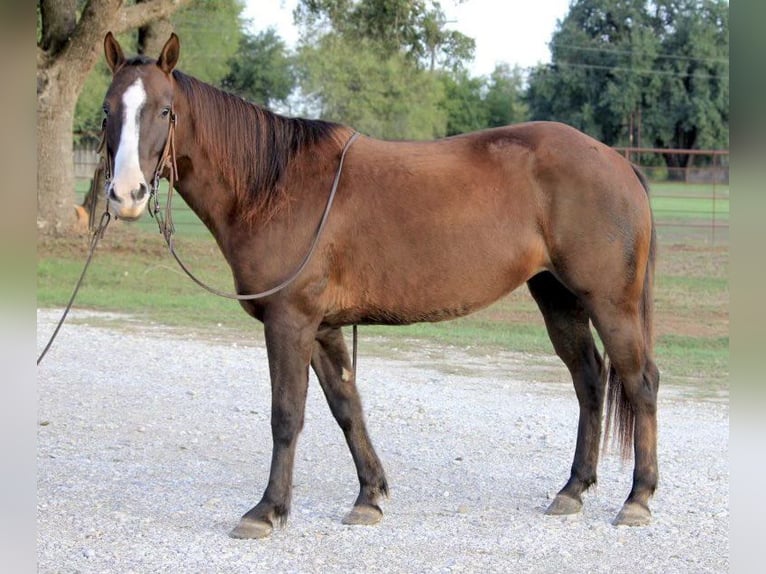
x: 443, y: 287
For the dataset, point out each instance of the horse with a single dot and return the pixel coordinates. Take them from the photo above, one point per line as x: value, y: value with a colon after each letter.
x: 418, y: 231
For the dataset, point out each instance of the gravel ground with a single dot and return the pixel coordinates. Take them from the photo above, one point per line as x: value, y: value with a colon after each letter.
x: 152, y: 443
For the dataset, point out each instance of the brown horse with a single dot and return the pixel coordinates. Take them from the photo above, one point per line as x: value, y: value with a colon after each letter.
x: 419, y: 231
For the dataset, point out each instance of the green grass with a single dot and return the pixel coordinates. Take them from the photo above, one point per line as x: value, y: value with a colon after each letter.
x: 474, y: 332
x: 690, y: 203
x: 146, y: 282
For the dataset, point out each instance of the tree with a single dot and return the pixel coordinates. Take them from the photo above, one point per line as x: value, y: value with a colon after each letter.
x: 68, y: 47
x: 387, y: 98
x: 463, y: 102
x: 261, y: 71
x: 633, y: 72
x: 504, y: 100
x: 602, y: 56
x: 692, y: 106
x: 376, y: 64
x: 415, y: 27
x: 474, y: 103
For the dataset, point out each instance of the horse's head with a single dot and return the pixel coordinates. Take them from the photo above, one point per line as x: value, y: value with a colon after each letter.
x: 138, y: 112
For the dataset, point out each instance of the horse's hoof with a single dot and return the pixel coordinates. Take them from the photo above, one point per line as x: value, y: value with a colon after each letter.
x: 562, y: 505
x: 633, y: 514
x: 363, y: 515
x: 249, y: 528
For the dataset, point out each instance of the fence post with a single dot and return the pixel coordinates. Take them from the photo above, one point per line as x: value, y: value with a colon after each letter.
x: 715, y: 186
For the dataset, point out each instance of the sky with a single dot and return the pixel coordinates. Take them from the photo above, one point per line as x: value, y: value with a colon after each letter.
x: 512, y: 31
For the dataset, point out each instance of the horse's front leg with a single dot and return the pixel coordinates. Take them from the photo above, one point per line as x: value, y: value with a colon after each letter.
x: 289, y: 342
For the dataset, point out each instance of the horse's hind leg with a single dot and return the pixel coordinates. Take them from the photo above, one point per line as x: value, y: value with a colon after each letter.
x: 331, y: 363
x: 568, y: 326
x: 633, y: 385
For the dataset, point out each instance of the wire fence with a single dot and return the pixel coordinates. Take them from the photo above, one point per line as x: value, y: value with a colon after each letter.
x: 689, y: 193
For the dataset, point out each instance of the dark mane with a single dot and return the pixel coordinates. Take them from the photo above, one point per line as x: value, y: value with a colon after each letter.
x: 252, y: 145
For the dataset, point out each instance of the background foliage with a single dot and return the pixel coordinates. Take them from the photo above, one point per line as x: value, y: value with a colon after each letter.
x: 628, y: 72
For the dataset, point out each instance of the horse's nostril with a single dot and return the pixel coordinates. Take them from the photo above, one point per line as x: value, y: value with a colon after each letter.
x: 140, y: 193
x: 113, y: 196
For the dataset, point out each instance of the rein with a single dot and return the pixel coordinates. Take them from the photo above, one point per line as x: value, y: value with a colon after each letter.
x: 167, y: 229
x: 97, y: 234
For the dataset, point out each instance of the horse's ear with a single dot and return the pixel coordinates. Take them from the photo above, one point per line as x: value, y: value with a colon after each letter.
x: 113, y: 52
x: 170, y: 52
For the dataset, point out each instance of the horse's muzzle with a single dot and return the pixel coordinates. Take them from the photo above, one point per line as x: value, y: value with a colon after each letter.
x: 129, y: 207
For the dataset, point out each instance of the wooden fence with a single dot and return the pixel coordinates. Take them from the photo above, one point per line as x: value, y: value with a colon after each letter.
x: 85, y: 162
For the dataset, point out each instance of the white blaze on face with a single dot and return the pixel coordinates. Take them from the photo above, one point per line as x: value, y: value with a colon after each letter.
x: 128, y: 176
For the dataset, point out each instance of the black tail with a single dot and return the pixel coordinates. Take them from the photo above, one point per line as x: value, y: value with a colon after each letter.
x: 619, y: 411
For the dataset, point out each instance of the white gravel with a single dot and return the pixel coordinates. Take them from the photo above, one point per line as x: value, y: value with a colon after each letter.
x: 152, y: 443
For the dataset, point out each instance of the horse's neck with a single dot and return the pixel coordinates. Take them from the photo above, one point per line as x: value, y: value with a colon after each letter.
x: 199, y: 183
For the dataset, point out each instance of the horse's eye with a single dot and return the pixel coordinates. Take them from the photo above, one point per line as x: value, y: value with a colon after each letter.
x: 165, y: 112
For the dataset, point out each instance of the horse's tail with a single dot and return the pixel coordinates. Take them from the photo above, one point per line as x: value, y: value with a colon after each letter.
x: 619, y: 410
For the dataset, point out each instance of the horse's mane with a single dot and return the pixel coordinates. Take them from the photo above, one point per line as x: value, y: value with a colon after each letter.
x: 251, y: 144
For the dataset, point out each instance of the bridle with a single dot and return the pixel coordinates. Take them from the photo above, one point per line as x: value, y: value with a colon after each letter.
x: 167, y: 161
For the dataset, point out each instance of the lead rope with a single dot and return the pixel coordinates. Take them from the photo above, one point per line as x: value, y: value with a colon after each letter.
x: 353, y: 354
x: 97, y: 234
x: 167, y: 229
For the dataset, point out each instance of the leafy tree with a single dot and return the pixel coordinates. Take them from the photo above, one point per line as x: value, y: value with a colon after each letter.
x: 474, y: 103
x: 261, y: 71
x: 388, y: 98
x: 691, y: 109
x: 633, y: 72
x: 211, y: 31
x: 373, y: 63
x: 504, y: 100
x: 415, y: 27
x: 601, y: 69
x: 463, y: 102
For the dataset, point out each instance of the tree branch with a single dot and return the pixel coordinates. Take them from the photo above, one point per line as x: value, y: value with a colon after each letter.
x: 131, y: 17
x: 82, y: 51
x: 58, y: 23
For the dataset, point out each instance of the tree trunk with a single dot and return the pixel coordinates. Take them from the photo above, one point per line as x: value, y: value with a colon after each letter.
x: 55, y: 170
x: 676, y: 164
x: 152, y: 37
